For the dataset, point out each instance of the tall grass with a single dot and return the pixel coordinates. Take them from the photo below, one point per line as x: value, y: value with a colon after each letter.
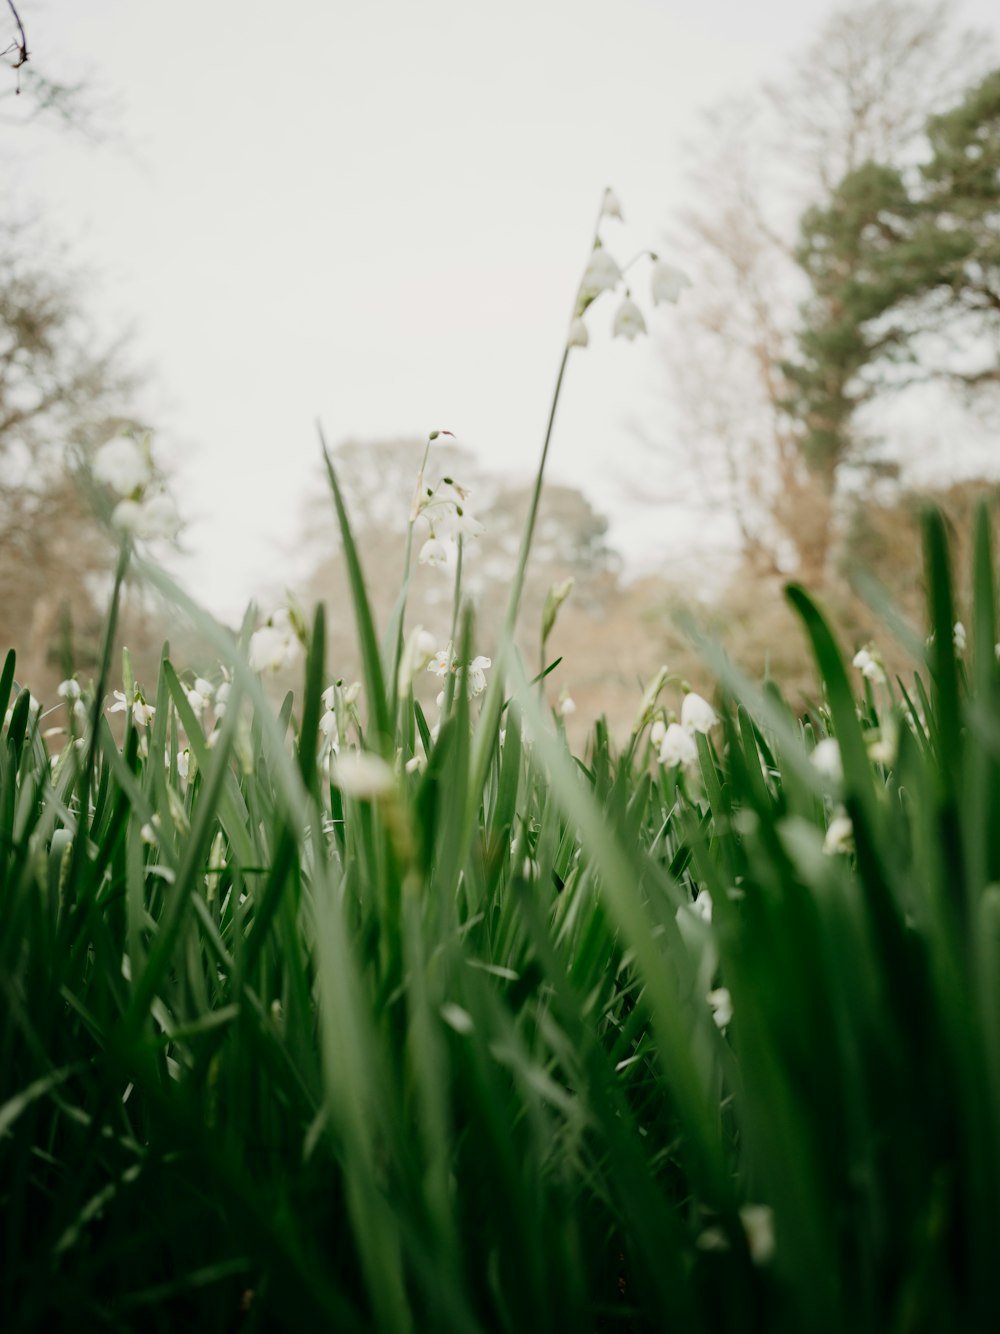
x: 509, y: 1040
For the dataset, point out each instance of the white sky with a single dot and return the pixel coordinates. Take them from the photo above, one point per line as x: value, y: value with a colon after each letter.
x: 376, y: 213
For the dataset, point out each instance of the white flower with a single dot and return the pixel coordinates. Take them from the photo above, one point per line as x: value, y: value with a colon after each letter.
x: 602, y: 274
x: 869, y: 665
x: 433, y: 552
x: 364, y: 775
x: 758, y: 1224
x: 147, y: 519
x: 958, y: 637
x: 702, y: 906
x: 440, y: 662
x: 416, y: 655
x: 122, y: 465
x: 148, y: 833
x: 476, y: 678
x: 579, y: 334
x: 275, y: 645
x: 697, y: 715
x: 611, y: 207
x: 839, y: 836
x: 351, y: 692
x: 197, y: 700
x: 69, y: 689
x: 328, y: 726
x: 567, y: 705
x: 222, y: 698
x: 667, y: 283
x: 677, y: 747
x: 826, y: 759
x: 722, y: 1006
x: 141, y: 711
x: 183, y: 764
x: 203, y: 687
x: 657, y: 732
x: 628, y: 321
x: 416, y: 765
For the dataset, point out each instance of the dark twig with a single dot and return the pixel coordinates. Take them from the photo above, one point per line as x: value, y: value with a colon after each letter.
x: 22, y: 46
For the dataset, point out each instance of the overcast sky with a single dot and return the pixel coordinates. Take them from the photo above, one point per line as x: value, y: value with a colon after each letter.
x: 377, y: 214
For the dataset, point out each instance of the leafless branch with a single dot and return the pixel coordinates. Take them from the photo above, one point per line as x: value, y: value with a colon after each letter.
x: 21, y: 47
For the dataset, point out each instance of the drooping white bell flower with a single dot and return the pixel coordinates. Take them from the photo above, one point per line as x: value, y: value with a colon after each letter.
x: 434, y: 552
x: 721, y: 1004
x: 839, y: 835
x: 959, y: 638
x: 629, y: 322
x: 123, y: 465
x: 697, y: 715
x: 611, y: 206
x: 826, y: 759
x: 602, y: 274
x: 361, y: 774
x: 677, y: 747
x: 142, y: 712
x: 275, y: 645
x: 579, y: 334
x: 869, y: 665
x: 667, y: 283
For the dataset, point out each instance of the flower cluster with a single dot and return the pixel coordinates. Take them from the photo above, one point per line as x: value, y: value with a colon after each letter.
x: 868, y: 661
x: 676, y: 740
x: 444, y: 660
x: 604, y: 274
x: 445, y: 508
x: 277, y: 644
x: 144, y: 509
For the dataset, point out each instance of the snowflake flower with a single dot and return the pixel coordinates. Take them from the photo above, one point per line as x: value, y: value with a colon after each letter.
x: 123, y: 465
x: 721, y: 1004
x: 869, y: 664
x: 275, y: 645
x: 839, y: 835
x: 602, y: 274
x: 611, y: 206
x: 364, y: 775
x: 826, y: 759
x: 579, y: 334
x: 142, y: 712
x: 677, y: 747
x: 629, y: 322
x: 697, y: 715
x: 667, y: 283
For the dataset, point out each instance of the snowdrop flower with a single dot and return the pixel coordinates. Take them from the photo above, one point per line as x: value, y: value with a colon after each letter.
x: 150, y: 831
x: 958, y: 637
x: 839, y: 835
x: 629, y: 322
x: 476, y: 678
x: 433, y: 552
x: 722, y: 1006
x: 198, y: 701
x: 697, y: 715
x: 758, y: 1224
x: 416, y: 765
x: 203, y: 687
x: 611, y: 207
x: 579, y: 334
x: 351, y: 693
x: 677, y: 747
x: 667, y: 283
x: 69, y: 689
x: 702, y: 906
x: 183, y: 764
x: 123, y: 465
x: 142, y: 712
x: 657, y: 732
x: 869, y: 665
x: 328, y: 726
x: 567, y: 705
x: 602, y: 274
x: 361, y: 774
x: 415, y: 657
x: 222, y: 698
x: 147, y: 519
x: 826, y: 759
x: 275, y: 645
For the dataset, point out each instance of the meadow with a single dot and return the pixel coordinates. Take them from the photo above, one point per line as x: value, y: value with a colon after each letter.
x: 349, y: 1015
